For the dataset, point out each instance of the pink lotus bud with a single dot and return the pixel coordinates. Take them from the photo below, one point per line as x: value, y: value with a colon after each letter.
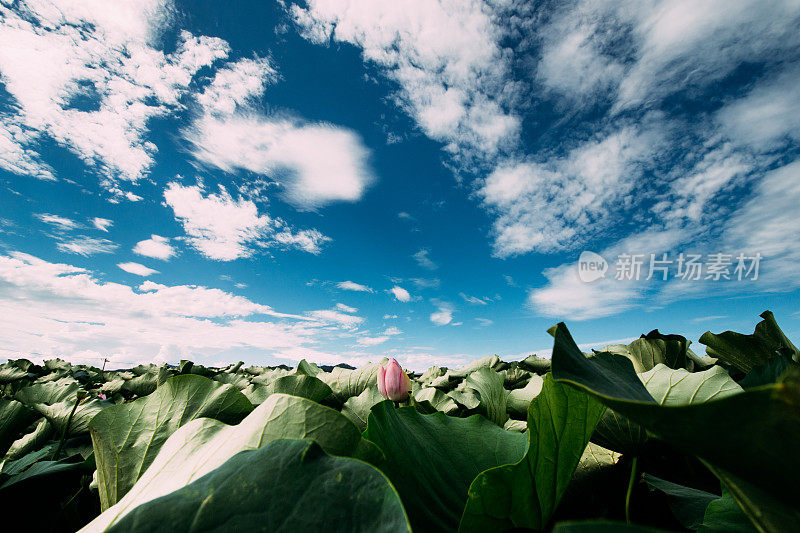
x: 101, y: 396
x: 393, y: 383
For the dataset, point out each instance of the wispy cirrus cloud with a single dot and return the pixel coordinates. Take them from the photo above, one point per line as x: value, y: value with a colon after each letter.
x: 353, y: 286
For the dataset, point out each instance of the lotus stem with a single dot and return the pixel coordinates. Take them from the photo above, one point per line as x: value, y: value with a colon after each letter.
x: 631, y: 484
x: 64, y: 434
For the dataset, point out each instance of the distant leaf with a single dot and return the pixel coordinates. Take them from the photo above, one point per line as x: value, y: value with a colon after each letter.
x: 519, y: 399
x: 357, y: 408
x: 31, y: 441
x: 345, y: 383
x: 746, y: 352
x: 534, y: 363
x: 127, y: 437
x: 432, y: 459
x: 14, y: 418
x: 316, y: 492
x: 432, y: 399
x: 525, y: 494
x: 493, y: 397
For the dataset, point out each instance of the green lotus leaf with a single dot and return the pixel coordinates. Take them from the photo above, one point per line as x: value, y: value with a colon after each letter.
x: 746, y: 352
x: 291, y: 485
x: 432, y: 459
x: 127, y: 437
x: 204, y: 444
x: 762, y: 422
x: 525, y: 494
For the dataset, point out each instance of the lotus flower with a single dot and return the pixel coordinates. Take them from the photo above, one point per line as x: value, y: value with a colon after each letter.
x: 101, y: 396
x: 393, y: 383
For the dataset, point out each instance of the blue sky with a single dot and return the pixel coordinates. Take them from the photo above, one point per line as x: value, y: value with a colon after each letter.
x: 346, y: 180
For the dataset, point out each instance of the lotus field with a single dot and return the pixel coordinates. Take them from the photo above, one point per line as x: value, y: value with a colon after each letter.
x: 643, y: 437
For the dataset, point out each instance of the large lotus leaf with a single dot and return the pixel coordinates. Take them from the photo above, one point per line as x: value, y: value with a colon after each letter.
x: 305, y: 368
x: 148, y: 380
x: 490, y: 361
x: 515, y: 377
x: 687, y: 504
x: 9, y: 373
x: 346, y: 383
x: 655, y: 348
x: 432, y: 459
x: 204, y: 444
x: 127, y: 437
x: 519, y: 399
x: 14, y: 418
x: 59, y: 414
x: 766, y: 512
x: 31, y: 441
x: 745, y: 352
x: 49, y: 393
x: 536, y: 364
x: 431, y: 399
x: 466, y: 397
x: 768, y: 373
x: 494, y: 397
x: 431, y: 374
x: 40, y: 471
x: 762, y: 422
x: 291, y: 485
x: 240, y: 381
x: 723, y: 515
x: 526, y: 494
x: 358, y: 407
x: 668, y: 387
x: 679, y: 387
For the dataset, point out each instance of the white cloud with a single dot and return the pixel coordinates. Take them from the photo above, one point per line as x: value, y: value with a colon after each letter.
x: 767, y: 116
x: 567, y: 297
x: 137, y: 269
x: 86, y: 246
x: 346, y: 308
x: 336, y: 316
x: 426, y: 283
x: 372, y: 341
x: 223, y: 228
x: 422, y: 259
x: 58, y: 222
x: 54, y: 53
x: 16, y: 152
x: 156, y: 246
x: 102, y: 223
x: 444, y: 313
x: 484, y: 322
x: 400, y: 294
x: 353, y: 286
x: 558, y: 204
x: 236, y: 85
x: 392, y: 331
x: 443, y: 54
x: 315, y: 163
x: 55, y: 309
